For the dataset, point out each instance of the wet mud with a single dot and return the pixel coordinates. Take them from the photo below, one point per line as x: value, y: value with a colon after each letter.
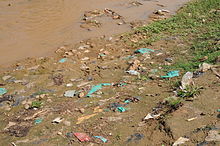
x: 34, y: 28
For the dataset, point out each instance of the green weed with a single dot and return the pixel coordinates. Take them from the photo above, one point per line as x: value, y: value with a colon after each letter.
x: 190, y: 91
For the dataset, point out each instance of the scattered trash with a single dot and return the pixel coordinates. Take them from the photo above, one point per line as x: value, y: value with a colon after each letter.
x: 38, y: 121
x: 181, y: 140
x: 133, y: 72
x: 213, y: 135
x: 96, y: 88
x: 151, y: 116
x: 62, y: 60
x: 121, y: 109
x: 57, y: 120
x: 114, y: 106
x: 144, y: 50
x: 70, y: 93
x: 133, y: 99
x: 3, y: 91
x: 191, y: 119
x: 218, y: 110
x: 135, y: 137
x: 81, y: 119
x: 102, y: 139
x: 171, y: 74
x: 82, y: 137
x: 187, y: 80
x: 6, y: 98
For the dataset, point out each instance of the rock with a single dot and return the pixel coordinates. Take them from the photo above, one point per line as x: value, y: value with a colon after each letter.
x: 181, y: 140
x: 187, y: 80
x: 213, y: 135
x: 26, y: 106
x: 82, y: 110
x: 69, y: 85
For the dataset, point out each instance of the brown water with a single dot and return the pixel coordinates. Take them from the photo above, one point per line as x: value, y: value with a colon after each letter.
x: 33, y: 28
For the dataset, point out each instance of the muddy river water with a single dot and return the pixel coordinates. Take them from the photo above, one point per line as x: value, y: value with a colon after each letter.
x: 33, y: 28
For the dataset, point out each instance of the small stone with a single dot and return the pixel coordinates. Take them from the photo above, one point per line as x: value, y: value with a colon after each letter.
x: 49, y: 100
x: 59, y: 133
x: 82, y: 110
x: 26, y: 106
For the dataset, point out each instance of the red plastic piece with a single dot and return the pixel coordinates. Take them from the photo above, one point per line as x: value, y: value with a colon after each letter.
x: 82, y: 137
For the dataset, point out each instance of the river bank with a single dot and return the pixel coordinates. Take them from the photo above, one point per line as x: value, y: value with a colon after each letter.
x: 156, y: 85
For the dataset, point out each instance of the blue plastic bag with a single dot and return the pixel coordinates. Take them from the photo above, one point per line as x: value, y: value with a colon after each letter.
x: 3, y: 91
x: 102, y: 139
x: 144, y: 50
x: 96, y: 88
x: 62, y: 60
x: 171, y: 74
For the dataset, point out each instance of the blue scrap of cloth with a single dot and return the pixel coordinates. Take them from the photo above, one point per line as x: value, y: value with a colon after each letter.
x: 96, y: 88
x: 102, y: 139
x: 144, y: 50
x: 62, y: 60
x: 171, y: 74
x: 3, y: 91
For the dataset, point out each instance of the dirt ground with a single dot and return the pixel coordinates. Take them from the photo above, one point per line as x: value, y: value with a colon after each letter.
x: 37, y: 109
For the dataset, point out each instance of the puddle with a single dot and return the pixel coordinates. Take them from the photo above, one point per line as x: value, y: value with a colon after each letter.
x: 33, y: 28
